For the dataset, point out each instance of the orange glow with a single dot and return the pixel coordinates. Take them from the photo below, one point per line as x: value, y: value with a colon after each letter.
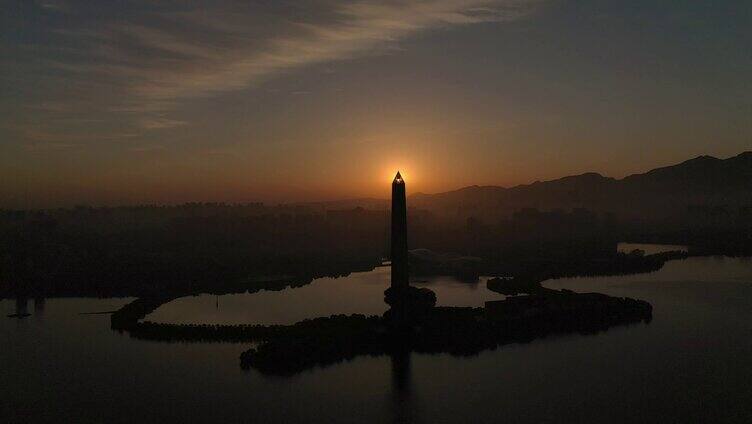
x: 407, y: 175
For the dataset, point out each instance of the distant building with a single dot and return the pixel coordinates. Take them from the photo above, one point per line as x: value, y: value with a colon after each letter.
x: 400, y: 272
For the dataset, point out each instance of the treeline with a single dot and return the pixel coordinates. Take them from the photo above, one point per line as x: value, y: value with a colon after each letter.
x: 129, y: 319
x: 457, y: 331
x: 152, y: 250
x: 528, y: 279
x: 618, y: 264
x: 220, y: 248
x: 288, y: 349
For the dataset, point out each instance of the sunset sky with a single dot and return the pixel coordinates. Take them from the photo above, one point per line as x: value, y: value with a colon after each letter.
x: 108, y: 103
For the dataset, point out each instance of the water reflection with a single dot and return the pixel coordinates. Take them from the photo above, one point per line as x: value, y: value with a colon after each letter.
x: 21, y: 309
x: 358, y: 293
x: 39, y: 306
x: 22, y: 306
x: 402, y: 398
x: 697, y: 347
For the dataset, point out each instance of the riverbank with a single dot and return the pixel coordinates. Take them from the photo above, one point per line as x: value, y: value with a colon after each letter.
x: 287, y: 349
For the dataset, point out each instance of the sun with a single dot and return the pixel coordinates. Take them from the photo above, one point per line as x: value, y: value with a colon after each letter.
x: 404, y: 167
x: 392, y: 171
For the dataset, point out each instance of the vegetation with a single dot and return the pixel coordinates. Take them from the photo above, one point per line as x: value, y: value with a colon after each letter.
x: 287, y: 349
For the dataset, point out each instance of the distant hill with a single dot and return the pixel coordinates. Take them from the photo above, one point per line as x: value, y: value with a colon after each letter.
x: 657, y: 194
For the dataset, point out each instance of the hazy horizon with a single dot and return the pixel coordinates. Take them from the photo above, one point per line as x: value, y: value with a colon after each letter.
x: 314, y: 200
x: 128, y: 103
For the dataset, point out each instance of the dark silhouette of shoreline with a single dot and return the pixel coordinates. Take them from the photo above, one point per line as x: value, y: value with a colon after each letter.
x: 574, y: 222
x: 288, y: 349
x: 456, y: 331
x: 528, y: 279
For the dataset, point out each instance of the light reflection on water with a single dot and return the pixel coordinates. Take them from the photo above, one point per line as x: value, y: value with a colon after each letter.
x: 358, y: 293
x: 690, y: 364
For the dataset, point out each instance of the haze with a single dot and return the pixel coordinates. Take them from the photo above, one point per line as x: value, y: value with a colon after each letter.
x: 115, y: 103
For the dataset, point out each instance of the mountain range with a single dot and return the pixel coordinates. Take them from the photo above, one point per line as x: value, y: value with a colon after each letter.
x: 702, y: 182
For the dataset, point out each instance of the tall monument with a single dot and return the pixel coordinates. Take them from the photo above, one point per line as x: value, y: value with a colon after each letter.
x: 407, y: 303
x: 400, y: 273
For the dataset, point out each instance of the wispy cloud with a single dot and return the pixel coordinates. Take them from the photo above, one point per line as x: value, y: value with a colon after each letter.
x: 354, y: 29
x: 161, y: 123
x: 54, y: 5
x: 70, y: 139
x: 147, y: 149
x: 154, y: 60
x: 48, y: 146
x: 53, y: 107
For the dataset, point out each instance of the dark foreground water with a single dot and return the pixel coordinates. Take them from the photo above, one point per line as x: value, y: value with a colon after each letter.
x: 692, y: 363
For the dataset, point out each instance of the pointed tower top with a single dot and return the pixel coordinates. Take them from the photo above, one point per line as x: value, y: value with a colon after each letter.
x: 398, y: 178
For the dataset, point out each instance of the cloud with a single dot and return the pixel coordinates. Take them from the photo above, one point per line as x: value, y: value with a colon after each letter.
x: 356, y: 29
x: 54, y: 5
x: 70, y: 139
x: 53, y: 107
x: 147, y: 149
x: 160, y: 123
x: 156, y: 59
x: 47, y: 146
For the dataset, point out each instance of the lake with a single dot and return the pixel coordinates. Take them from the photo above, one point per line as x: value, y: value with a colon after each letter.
x: 690, y: 364
x: 360, y: 292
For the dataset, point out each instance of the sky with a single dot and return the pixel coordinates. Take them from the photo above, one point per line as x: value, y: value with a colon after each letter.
x: 124, y: 102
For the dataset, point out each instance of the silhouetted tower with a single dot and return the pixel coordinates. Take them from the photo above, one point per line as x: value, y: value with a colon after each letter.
x: 399, y: 233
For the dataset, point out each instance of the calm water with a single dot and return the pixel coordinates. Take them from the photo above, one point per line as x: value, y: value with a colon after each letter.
x: 692, y: 363
x: 361, y: 292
